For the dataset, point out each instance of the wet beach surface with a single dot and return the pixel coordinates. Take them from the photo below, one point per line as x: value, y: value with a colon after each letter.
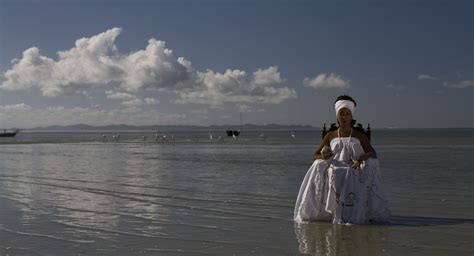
x: 132, y: 198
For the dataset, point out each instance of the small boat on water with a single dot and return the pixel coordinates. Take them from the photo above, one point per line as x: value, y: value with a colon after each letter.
x: 6, y: 133
x: 233, y: 133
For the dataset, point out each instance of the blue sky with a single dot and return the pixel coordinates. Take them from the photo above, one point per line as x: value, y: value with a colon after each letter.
x: 407, y: 63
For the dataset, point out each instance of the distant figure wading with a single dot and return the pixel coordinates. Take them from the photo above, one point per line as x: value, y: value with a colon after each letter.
x: 343, y: 185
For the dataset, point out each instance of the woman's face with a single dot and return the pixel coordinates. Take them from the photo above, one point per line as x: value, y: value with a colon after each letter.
x: 344, y: 116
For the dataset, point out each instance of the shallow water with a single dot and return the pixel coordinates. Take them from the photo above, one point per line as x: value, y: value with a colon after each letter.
x: 222, y: 198
x: 455, y: 136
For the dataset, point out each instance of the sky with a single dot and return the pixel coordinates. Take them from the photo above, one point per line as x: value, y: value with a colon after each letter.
x: 408, y: 64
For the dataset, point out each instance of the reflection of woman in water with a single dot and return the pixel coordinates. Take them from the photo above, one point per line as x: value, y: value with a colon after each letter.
x: 343, y: 185
x: 335, y: 240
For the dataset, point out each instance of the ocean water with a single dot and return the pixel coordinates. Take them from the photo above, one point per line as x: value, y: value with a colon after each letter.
x: 78, y: 194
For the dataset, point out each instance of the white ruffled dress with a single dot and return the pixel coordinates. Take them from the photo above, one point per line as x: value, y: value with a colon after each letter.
x: 333, y: 191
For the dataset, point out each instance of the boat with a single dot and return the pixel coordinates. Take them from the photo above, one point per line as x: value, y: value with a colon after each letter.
x: 8, y: 134
x: 233, y: 133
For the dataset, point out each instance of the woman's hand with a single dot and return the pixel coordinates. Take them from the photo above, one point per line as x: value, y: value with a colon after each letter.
x: 355, y: 163
x: 326, y: 153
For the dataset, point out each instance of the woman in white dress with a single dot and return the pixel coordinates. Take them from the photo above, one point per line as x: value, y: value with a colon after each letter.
x: 343, y: 185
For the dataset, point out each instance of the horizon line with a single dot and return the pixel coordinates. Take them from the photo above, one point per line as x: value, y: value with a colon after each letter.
x: 233, y: 125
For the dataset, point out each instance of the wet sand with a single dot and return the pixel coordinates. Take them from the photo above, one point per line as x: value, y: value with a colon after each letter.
x: 220, y: 199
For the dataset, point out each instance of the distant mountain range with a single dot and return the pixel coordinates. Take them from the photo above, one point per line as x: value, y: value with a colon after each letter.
x: 123, y: 127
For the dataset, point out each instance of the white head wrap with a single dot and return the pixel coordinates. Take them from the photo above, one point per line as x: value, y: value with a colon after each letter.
x: 344, y: 104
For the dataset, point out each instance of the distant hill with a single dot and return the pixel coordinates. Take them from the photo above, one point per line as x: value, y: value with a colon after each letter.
x: 123, y: 127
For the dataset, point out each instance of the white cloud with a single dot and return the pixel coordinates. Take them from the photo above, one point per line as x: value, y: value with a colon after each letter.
x: 460, y: 84
x: 14, y: 108
x: 95, y: 61
x: 133, y: 103
x: 140, y: 102
x: 91, y: 62
x: 119, y: 95
x: 151, y: 101
x: 244, y: 108
x: 324, y: 81
x: 426, y: 77
x: 25, y: 116
x: 267, y: 76
x: 130, y: 100
x: 395, y: 87
x: 233, y: 86
x: 154, y: 67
